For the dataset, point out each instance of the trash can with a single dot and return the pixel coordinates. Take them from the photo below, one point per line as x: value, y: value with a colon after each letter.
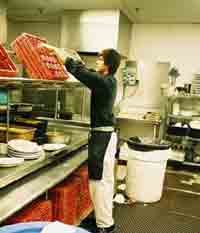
x: 145, y: 172
x: 32, y: 227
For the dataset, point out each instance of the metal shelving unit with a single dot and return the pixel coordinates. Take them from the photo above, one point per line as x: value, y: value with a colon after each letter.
x: 9, y: 83
x: 188, y: 96
x: 170, y: 117
x: 180, y: 117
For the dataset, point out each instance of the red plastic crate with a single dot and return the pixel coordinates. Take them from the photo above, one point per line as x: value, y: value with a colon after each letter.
x: 85, y: 202
x: 38, y: 210
x: 65, y: 198
x: 82, y: 172
x: 39, y: 61
x: 7, y: 67
x: 25, y: 54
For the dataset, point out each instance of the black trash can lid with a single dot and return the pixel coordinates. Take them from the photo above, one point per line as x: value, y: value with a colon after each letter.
x: 135, y: 143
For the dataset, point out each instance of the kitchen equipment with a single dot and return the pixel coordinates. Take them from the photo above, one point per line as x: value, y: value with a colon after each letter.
x: 176, y: 108
x: 3, y: 96
x: 59, y: 137
x: 66, y: 115
x: 177, y: 130
x: 187, y: 87
x: 16, y: 131
x: 40, y: 125
x: 194, y: 129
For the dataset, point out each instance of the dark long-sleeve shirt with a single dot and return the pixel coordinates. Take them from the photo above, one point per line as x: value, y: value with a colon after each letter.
x: 103, y: 93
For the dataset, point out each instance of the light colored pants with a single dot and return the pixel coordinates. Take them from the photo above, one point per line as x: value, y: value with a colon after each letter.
x: 102, y: 191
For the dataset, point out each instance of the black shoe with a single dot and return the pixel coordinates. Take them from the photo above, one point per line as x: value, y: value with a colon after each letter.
x: 89, y: 222
x: 107, y: 229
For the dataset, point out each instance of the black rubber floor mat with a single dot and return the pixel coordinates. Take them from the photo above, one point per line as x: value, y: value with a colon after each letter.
x: 148, y: 219
x: 176, y: 180
x: 184, y: 203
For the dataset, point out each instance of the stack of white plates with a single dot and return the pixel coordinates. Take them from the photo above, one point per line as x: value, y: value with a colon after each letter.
x: 10, y: 162
x: 24, y: 149
x: 196, y: 84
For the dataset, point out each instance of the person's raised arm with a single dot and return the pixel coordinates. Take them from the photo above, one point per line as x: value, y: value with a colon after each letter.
x: 90, y: 78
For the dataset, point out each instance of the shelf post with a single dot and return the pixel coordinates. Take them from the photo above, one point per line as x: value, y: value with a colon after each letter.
x: 8, y: 116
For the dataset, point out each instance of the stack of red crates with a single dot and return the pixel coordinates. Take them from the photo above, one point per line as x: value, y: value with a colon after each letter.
x: 38, y: 210
x: 65, y: 198
x: 39, y: 62
x: 85, y: 202
x: 7, y: 67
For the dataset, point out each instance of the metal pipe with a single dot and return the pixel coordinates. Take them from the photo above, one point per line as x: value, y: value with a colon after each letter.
x: 56, y: 104
x: 8, y: 116
x: 83, y: 103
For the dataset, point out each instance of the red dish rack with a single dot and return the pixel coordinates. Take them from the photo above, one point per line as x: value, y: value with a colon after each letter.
x: 38, y: 61
x: 7, y: 67
x: 65, y: 198
x: 85, y: 202
x: 38, y: 210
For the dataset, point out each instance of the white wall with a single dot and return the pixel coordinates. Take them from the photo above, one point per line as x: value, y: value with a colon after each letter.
x: 178, y: 44
x: 173, y: 44
x: 51, y: 31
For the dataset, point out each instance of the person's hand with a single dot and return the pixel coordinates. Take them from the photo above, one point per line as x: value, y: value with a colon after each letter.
x: 62, y: 53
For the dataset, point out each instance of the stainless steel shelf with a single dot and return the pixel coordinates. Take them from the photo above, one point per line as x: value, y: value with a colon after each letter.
x: 184, y: 97
x: 145, y: 121
x: 18, y: 82
x: 191, y: 164
x: 76, y: 123
x: 193, y: 139
x: 181, y: 117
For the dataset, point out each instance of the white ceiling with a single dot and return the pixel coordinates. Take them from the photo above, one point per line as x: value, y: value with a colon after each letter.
x: 139, y: 11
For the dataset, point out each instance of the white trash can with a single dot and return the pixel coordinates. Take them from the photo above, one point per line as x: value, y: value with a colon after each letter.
x: 145, y: 175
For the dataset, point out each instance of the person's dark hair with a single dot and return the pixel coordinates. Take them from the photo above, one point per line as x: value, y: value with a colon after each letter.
x: 112, y: 59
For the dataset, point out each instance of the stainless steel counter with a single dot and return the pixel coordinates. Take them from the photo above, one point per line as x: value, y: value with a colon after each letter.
x: 9, y: 175
x: 22, y: 184
x: 15, y: 196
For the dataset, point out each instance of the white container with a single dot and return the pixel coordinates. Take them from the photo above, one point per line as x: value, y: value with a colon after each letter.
x: 176, y: 108
x: 145, y: 175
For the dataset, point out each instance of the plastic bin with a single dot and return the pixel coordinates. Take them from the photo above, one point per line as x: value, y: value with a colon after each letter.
x: 145, y: 175
x: 64, y: 197
x: 84, y: 202
x: 39, y: 62
x: 31, y: 227
x: 7, y: 67
x: 38, y: 210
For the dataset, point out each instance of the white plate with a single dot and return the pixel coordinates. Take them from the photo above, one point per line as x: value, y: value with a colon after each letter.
x: 10, y: 151
x: 10, y: 162
x: 53, y: 146
x: 31, y: 156
x: 25, y: 146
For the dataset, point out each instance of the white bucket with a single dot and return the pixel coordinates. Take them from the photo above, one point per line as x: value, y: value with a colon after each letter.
x: 145, y: 175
